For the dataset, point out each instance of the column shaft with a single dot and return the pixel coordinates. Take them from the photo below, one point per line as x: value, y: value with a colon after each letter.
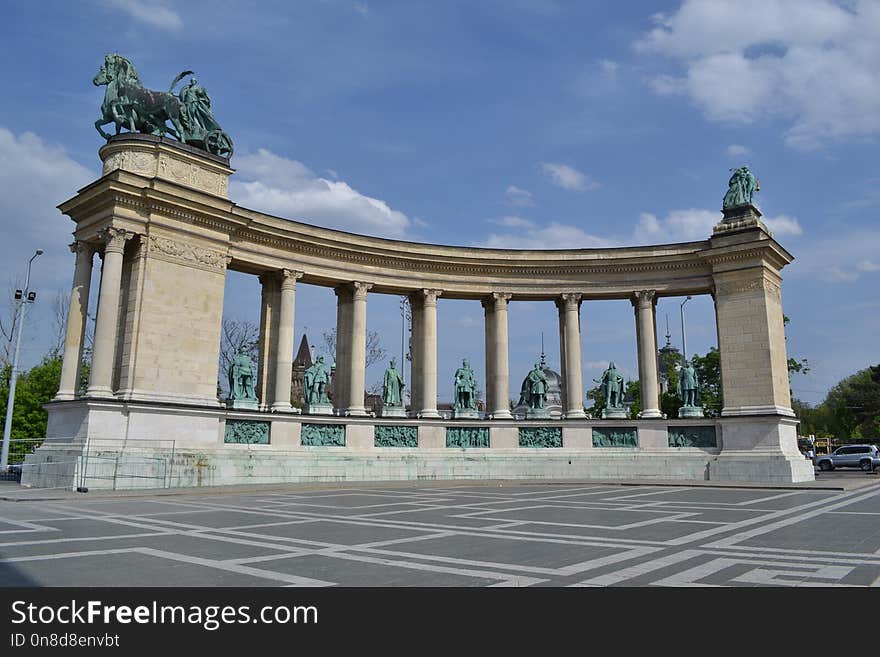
x: 489, y: 314
x: 358, y: 350
x: 104, y: 353
x: 428, y: 349
x: 646, y: 337
x: 573, y: 378
x: 71, y: 365
x: 560, y: 307
x: 269, y: 308
x: 500, y: 365
x: 284, y: 345
x: 415, y: 376
x: 343, y: 345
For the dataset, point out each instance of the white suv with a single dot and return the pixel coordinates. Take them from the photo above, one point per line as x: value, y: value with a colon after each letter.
x: 866, y: 457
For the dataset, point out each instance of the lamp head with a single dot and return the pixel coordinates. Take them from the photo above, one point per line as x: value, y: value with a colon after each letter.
x: 39, y: 252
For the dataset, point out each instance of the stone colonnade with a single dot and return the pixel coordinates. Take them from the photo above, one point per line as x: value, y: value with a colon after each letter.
x: 161, y: 219
x: 276, y: 341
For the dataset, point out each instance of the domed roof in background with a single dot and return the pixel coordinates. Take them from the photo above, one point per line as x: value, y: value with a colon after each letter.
x: 554, y: 390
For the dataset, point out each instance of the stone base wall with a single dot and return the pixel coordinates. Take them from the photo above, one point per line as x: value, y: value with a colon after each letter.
x: 124, y: 444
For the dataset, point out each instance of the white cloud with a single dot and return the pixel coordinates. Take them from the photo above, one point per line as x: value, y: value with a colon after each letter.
x: 597, y: 364
x: 519, y: 197
x: 531, y: 235
x: 288, y: 188
x: 835, y: 274
x: 152, y: 12
x: 811, y: 62
x: 35, y: 177
x: 833, y: 258
x: 783, y: 225
x: 513, y: 222
x: 568, y: 177
x: 696, y: 224
x: 737, y: 150
x: 678, y: 226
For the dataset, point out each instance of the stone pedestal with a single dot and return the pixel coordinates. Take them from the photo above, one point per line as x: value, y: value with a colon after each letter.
x: 244, y: 404
x: 691, y: 411
x: 537, y: 414
x: 318, y: 409
x: 465, y: 413
x: 392, y: 411
x: 614, y: 414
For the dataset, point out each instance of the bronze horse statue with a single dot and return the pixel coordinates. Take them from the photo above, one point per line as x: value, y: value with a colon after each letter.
x: 129, y: 104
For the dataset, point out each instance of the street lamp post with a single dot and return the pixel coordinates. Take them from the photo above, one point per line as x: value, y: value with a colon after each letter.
x: 683, y: 343
x: 23, y: 299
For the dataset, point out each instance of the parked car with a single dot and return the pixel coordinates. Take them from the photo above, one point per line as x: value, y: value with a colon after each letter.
x: 866, y: 457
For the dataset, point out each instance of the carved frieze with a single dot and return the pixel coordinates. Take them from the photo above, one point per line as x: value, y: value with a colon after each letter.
x: 180, y: 252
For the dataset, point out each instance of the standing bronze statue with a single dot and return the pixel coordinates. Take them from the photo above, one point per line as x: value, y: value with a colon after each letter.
x: 614, y: 391
x: 689, y: 391
x: 242, y: 378
x: 465, y: 388
x: 537, y: 387
x: 741, y: 188
x: 392, y: 387
x: 316, y: 380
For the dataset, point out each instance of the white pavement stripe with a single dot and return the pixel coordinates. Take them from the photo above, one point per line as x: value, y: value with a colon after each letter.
x: 639, y: 569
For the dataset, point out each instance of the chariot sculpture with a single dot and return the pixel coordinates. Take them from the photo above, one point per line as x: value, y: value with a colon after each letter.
x: 130, y: 105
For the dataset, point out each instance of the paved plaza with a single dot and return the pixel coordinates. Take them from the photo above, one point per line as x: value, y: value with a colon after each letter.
x: 450, y: 534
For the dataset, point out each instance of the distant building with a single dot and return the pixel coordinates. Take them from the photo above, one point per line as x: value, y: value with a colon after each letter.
x: 301, y: 363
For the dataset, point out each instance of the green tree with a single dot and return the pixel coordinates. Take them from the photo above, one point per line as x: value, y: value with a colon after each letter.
x: 34, y: 388
x: 708, y: 369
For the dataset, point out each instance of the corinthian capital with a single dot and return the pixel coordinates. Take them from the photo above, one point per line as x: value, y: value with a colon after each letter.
x: 360, y: 289
x: 114, y: 239
x: 644, y: 298
x: 429, y: 297
x: 571, y: 300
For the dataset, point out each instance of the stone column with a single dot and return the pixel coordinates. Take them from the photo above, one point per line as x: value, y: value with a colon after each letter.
x: 343, y: 346
x: 284, y: 345
x: 269, y: 304
x: 415, y: 393
x: 500, y: 377
x: 104, y: 352
x: 71, y: 365
x: 560, y: 307
x: 646, y: 336
x: 574, y: 405
x: 358, y: 349
x: 428, y: 351
x: 489, y: 314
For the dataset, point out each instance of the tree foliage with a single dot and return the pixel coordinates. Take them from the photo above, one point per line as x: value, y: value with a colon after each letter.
x: 374, y: 352
x: 33, y: 389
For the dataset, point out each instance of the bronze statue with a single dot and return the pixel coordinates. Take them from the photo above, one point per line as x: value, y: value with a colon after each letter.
x: 741, y: 188
x: 128, y: 104
x: 465, y: 387
x: 613, y: 387
x: 392, y: 388
x: 242, y: 377
x: 537, y: 385
x: 316, y: 380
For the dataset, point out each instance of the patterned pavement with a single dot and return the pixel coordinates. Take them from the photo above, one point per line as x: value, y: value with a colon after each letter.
x: 457, y: 535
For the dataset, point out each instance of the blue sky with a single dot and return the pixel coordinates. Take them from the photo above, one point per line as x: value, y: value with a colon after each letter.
x: 512, y: 123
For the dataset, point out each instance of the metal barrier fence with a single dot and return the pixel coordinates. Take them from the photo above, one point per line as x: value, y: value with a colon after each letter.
x: 99, y: 464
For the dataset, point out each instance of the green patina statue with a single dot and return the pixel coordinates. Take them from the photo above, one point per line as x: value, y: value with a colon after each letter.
x: 537, y: 386
x: 689, y: 385
x: 242, y: 377
x: 613, y: 387
x: 130, y: 105
x: 741, y: 188
x: 465, y: 387
x: 316, y: 380
x: 392, y: 387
